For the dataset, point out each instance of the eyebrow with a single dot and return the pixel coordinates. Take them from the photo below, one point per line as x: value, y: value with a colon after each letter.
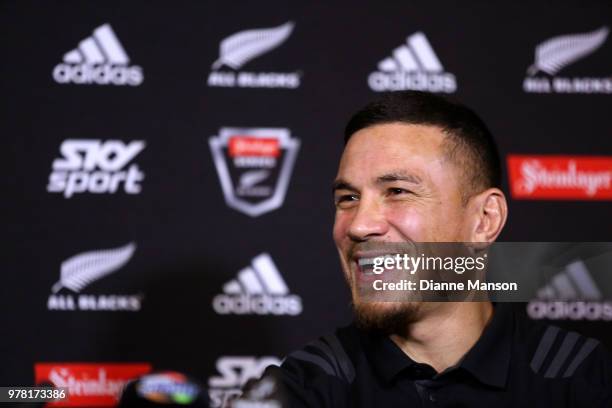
x: 340, y: 184
x: 399, y: 176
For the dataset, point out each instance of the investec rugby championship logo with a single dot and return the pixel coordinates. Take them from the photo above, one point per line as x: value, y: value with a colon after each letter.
x: 254, y: 167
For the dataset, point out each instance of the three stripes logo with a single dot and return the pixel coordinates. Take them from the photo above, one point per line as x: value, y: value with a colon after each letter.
x: 258, y: 289
x: 415, y: 66
x: 554, y: 54
x: 98, y: 59
x: 560, y: 353
x: 571, y: 294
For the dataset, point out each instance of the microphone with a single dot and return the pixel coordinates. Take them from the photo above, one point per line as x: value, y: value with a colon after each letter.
x: 166, y: 388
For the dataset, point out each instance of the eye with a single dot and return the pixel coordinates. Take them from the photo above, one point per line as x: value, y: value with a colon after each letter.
x: 346, y: 199
x: 397, y: 191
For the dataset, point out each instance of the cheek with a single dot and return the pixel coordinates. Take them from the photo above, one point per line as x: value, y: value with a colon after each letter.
x: 409, y: 224
x: 341, y: 225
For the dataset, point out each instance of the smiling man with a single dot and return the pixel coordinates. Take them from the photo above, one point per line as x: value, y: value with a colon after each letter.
x: 419, y: 168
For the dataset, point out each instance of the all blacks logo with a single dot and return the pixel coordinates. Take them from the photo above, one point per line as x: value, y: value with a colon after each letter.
x: 254, y: 167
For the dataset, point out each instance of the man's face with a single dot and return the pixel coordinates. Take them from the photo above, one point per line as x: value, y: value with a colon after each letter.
x: 394, y: 184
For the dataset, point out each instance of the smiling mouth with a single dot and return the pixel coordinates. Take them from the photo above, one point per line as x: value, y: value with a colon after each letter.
x: 365, y: 264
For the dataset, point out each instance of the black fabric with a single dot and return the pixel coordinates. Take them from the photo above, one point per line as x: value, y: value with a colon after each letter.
x: 515, y: 363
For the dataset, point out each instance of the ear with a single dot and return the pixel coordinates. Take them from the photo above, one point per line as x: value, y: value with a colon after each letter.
x: 489, y: 211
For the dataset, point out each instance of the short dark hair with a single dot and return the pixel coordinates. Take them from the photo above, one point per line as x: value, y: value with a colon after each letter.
x: 471, y: 143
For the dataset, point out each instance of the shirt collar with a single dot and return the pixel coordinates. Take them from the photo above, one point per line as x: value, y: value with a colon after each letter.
x: 387, y: 359
x: 488, y: 360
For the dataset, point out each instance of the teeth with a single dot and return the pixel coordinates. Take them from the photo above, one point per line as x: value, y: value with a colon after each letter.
x: 367, y: 264
x: 370, y: 261
x: 366, y: 261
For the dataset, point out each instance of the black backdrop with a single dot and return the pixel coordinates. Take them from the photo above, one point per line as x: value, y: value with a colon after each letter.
x: 189, y: 242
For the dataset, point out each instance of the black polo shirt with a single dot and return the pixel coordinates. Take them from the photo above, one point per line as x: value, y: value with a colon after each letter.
x: 515, y: 363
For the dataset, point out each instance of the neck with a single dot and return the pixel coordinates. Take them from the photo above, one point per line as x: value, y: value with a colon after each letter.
x: 445, y: 333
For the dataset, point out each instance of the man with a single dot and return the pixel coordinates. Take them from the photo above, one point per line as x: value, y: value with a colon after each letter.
x: 419, y: 168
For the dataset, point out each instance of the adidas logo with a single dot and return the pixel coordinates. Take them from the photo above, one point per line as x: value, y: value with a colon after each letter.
x: 571, y: 294
x: 258, y: 289
x: 98, y: 59
x: 554, y: 54
x: 415, y: 66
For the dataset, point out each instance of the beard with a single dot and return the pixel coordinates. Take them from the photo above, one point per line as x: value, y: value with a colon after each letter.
x: 386, y: 317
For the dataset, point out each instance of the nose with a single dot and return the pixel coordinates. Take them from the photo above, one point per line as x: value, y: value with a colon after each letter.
x: 368, y: 222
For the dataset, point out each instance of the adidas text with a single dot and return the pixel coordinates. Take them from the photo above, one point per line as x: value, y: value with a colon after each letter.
x: 400, y: 81
x: 570, y: 310
x: 259, y: 304
x: 98, y: 74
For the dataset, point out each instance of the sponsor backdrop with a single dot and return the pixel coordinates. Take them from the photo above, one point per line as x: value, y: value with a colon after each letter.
x: 168, y: 168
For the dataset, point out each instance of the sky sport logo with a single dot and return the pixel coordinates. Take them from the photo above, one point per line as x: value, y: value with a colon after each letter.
x: 254, y: 167
x: 259, y: 289
x: 79, y: 271
x: 560, y: 177
x: 234, y: 372
x: 554, y: 54
x: 99, y: 59
x: 572, y: 295
x: 412, y: 66
x: 94, y: 166
x: 89, y: 384
x: 244, y: 46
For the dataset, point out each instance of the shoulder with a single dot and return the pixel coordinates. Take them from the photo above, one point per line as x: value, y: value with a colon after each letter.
x: 332, y: 355
x: 318, y: 374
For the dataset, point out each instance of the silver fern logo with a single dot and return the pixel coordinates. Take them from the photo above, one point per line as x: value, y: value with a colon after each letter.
x: 555, y: 54
x: 242, y: 47
x: 82, y: 269
x: 238, y: 49
x: 79, y: 271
